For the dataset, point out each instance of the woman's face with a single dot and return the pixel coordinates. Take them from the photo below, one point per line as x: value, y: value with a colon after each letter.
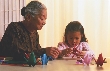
x: 39, y: 20
x: 73, y: 38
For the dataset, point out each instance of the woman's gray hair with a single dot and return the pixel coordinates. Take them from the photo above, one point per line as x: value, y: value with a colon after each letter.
x: 33, y: 8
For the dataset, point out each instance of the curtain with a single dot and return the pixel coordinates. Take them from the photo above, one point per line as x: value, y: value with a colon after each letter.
x: 10, y: 11
x: 94, y: 15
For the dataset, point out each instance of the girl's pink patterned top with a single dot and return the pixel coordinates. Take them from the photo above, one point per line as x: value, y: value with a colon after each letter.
x: 83, y: 46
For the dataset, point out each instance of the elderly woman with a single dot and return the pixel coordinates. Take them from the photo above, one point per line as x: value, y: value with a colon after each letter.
x: 22, y: 37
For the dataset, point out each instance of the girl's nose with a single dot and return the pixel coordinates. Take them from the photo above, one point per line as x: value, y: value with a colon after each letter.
x: 74, y: 41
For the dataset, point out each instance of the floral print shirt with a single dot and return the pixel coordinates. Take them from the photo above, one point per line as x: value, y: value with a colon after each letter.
x: 83, y: 46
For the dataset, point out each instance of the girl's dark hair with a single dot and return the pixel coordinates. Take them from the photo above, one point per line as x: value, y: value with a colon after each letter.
x: 72, y: 27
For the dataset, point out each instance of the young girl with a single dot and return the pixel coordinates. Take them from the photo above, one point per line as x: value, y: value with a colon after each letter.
x: 75, y: 43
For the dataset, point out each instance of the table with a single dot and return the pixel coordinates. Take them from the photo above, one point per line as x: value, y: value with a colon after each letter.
x: 58, y: 65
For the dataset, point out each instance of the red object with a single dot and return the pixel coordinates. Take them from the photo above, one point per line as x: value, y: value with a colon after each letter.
x: 75, y: 51
x: 100, y: 60
x: 27, y: 56
x: 2, y: 58
x: 39, y: 63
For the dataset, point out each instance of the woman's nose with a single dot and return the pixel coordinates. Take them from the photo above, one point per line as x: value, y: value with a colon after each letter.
x: 44, y: 22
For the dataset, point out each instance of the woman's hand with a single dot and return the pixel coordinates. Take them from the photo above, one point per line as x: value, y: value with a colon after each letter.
x: 52, y: 51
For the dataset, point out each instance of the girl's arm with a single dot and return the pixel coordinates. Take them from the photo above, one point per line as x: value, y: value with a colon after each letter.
x: 64, y: 50
x: 86, y: 50
x: 60, y: 48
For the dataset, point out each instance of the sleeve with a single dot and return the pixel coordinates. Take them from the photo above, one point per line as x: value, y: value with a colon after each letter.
x: 89, y: 54
x: 7, y: 40
x: 9, y: 43
x: 39, y: 51
x: 61, y: 46
x: 87, y: 48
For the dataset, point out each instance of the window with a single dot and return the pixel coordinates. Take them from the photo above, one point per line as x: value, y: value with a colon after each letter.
x: 10, y: 11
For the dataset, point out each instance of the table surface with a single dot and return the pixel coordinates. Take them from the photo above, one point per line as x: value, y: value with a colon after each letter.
x: 64, y: 64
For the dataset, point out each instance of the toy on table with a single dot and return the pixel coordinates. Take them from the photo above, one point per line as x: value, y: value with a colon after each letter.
x: 100, y: 60
x: 87, y: 58
x: 50, y: 58
x: 31, y: 60
x: 39, y: 62
x: 44, y: 59
x: 26, y: 55
x: 75, y: 52
x: 4, y: 60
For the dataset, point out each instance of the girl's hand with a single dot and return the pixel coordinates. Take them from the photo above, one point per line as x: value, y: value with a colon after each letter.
x: 67, y: 51
x: 82, y: 53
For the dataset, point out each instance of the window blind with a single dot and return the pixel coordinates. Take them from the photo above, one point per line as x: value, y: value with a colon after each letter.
x: 10, y: 11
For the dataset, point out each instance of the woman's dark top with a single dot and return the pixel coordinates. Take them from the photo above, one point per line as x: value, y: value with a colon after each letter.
x: 17, y: 40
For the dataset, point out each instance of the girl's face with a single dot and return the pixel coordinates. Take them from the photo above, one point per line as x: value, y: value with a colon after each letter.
x: 73, y: 38
x: 39, y: 20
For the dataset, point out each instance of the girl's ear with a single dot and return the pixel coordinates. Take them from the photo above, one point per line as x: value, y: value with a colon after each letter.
x: 81, y: 36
